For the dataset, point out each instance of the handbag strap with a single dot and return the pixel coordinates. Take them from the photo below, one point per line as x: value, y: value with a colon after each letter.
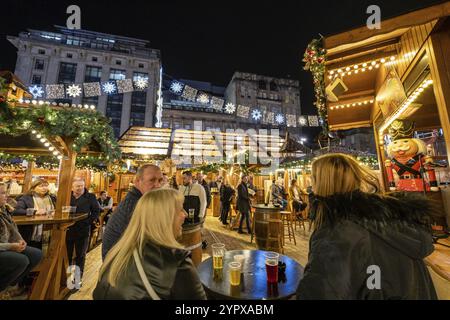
x: 144, y: 279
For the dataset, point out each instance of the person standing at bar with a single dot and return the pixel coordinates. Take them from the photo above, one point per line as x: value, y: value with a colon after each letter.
x: 77, y: 236
x: 204, y: 184
x: 148, y: 177
x: 226, y: 194
x: 243, y: 204
x: 194, y: 197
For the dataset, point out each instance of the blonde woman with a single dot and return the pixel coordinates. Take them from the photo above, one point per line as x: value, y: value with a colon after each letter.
x: 167, y: 269
x: 365, y: 245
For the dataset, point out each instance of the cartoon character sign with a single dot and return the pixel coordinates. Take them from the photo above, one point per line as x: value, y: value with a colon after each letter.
x: 409, y: 159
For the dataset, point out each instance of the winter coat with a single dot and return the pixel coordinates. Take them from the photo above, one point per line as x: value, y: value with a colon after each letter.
x: 8, y: 229
x: 119, y: 220
x: 87, y: 203
x: 170, y: 272
x: 370, y: 247
x: 26, y: 201
x: 243, y: 200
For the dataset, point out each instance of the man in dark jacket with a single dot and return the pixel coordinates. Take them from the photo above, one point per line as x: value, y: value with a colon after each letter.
x: 243, y: 204
x: 226, y: 194
x: 77, y: 236
x: 148, y: 177
x: 369, y: 247
x: 205, y: 185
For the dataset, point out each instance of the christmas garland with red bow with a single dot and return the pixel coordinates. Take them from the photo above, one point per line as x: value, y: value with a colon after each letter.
x: 314, y: 58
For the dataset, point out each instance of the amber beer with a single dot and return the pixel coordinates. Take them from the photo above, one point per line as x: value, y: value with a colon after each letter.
x: 272, y: 267
x: 235, y: 273
x: 218, y: 262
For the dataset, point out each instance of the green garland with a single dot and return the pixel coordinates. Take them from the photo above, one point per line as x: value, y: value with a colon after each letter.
x: 83, y: 126
x: 314, y: 58
x: 97, y: 164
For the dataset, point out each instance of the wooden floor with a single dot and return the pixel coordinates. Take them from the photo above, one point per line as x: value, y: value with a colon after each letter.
x: 213, y: 232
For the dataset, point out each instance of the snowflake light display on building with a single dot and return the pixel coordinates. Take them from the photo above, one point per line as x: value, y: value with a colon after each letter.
x: 203, y: 98
x: 141, y: 83
x: 36, y: 91
x: 109, y: 87
x: 230, y: 108
x: 217, y: 103
x: 302, y: 121
x: 270, y: 117
x: 256, y: 115
x: 189, y: 93
x: 313, y: 121
x: 73, y: 91
x: 176, y: 87
x: 55, y: 91
x: 124, y: 86
x: 279, y: 118
x: 291, y: 120
x: 243, y: 111
x: 92, y: 89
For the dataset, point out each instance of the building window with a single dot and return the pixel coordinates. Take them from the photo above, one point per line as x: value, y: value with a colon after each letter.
x: 67, y: 72
x: 262, y: 85
x: 273, y: 86
x: 69, y: 55
x: 94, y: 59
x: 116, y: 74
x: 166, y: 124
x: 141, y: 65
x: 114, y: 111
x: 41, y: 51
x: 118, y: 62
x: 39, y: 64
x: 36, y: 79
x: 138, y: 103
x: 93, y: 74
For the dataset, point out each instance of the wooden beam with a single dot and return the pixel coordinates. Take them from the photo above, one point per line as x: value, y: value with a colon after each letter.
x: 408, y: 20
x: 28, y: 177
x: 66, y: 173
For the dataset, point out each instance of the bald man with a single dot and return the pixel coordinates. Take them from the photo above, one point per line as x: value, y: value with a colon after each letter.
x: 148, y: 177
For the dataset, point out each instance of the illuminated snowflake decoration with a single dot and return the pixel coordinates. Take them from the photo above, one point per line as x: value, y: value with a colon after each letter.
x: 303, y: 121
x: 256, y: 114
x: 176, y: 87
x: 141, y: 83
x: 73, y: 91
x: 36, y: 91
x: 109, y: 87
x: 230, y: 108
x: 203, y: 98
x: 279, y: 118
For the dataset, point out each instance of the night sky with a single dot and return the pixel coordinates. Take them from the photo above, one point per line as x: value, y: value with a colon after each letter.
x: 209, y: 40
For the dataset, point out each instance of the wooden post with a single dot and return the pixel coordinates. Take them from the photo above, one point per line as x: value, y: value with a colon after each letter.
x: 28, y: 177
x: 66, y: 174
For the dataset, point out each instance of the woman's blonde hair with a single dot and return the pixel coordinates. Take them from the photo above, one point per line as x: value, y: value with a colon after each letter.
x: 337, y: 173
x: 152, y: 220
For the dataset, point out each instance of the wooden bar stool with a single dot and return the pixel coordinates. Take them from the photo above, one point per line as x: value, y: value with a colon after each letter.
x: 287, y: 219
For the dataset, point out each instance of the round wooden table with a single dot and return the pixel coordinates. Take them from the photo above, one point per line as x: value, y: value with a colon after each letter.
x: 254, y: 284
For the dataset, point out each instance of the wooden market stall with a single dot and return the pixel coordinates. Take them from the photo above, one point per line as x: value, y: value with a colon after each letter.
x: 41, y: 128
x: 398, y: 72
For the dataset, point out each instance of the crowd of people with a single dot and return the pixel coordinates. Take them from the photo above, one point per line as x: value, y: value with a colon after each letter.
x: 355, y: 226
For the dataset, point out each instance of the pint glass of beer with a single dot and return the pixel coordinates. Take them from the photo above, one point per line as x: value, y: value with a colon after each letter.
x: 235, y: 273
x: 272, y: 266
x: 218, y: 250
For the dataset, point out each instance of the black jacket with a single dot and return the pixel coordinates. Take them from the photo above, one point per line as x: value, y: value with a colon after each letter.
x: 170, y: 272
x: 361, y: 230
x: 119, y: 220
x: 208, y: 192
x: 26, y: 201
x: 243, y: 200
x: 226, y: 194
x: 87, y: 203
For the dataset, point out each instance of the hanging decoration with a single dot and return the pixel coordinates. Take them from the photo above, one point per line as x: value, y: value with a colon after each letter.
x: 92, y: 89
x: 141, y: 83
x: 73, y: 91
x: 203, y: 98
x: 124, y: 86
x: 230, y: 108
x: 313, y: 121
x: 217, y: 103
x: 36, y: 91
x: 291, y: 120
x: 314, y: 59
x: 256, y: 115
x: 109, y: 87
x: 243, y: 111
x: 176, y: 87
x: 279, y: 118
x: 55, y: 91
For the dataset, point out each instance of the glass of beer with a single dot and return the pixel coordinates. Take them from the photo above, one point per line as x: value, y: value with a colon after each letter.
x: 235, y: 273
x: 191, y: 215
x: 272, y: 266
x: 218, y: 250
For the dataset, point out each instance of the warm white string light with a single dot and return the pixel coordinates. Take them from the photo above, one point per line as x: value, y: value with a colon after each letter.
x: 42, y: 102
x: 353, y: 104
x: 360, y: 68
x: 413, y: 97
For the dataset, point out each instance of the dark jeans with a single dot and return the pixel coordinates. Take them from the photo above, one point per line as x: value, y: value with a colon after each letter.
x: 224, y: 213
x: 247, y: 220
x: 81, y: 246
x: 15, y: 266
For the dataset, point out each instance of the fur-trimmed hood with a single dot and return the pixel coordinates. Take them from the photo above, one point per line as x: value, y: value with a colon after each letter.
x: 402, y: 220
